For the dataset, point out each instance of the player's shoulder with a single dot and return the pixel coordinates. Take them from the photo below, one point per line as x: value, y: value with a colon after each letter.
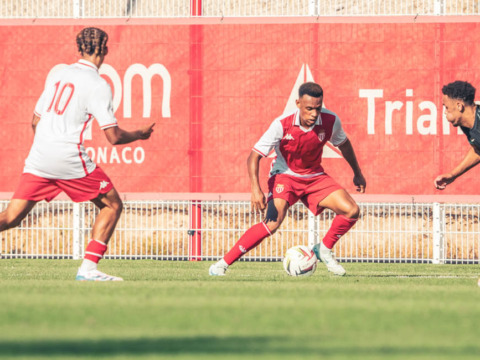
x: 287, y: 118
x: 329, y: 116
x: 102, y: 83
x: 96, y: 83
x: 90, y: 83
x: 60, y: 73
x: 327, y: 112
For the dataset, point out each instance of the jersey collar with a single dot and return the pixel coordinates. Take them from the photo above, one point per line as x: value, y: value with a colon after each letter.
x: 88, y: 64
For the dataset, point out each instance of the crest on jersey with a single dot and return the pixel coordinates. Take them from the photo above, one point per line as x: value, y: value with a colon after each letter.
x: 279, y: 188
x: 321, y: 135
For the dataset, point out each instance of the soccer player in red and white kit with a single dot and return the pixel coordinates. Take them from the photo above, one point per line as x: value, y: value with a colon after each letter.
x: 57, y: 161
x: 297, y: 174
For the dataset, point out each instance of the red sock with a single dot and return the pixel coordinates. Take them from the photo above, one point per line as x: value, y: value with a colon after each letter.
x: 340, y: 225
x: 95, y: 250
x: 248, y: 241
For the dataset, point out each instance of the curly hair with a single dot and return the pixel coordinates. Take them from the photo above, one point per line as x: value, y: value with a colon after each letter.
x: 310, y: 88
x: 460, y: 90
x: 92, y: 41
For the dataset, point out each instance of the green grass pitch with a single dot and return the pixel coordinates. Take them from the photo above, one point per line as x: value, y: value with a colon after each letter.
x: 174, y: 310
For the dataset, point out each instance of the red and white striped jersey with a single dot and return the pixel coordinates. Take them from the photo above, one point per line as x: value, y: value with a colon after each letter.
x: 71, y: 99
x: 299, y: 150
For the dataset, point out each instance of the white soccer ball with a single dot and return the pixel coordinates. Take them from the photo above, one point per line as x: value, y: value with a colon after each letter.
x: 300, y: 261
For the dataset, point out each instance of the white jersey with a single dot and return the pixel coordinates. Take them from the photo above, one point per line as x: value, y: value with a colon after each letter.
x: 72, y: 98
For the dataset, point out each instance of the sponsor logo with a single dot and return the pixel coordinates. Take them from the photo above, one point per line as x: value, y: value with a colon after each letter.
x: 321, y: 135
x: 242, y: 249
x: 104, y: 184
x: 288, y: 137
x: 279, y: 188
x: 112, y: 155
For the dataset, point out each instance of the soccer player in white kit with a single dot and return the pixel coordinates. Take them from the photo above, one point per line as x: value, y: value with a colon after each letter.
x: 57, y: 161
x: 297, y: 174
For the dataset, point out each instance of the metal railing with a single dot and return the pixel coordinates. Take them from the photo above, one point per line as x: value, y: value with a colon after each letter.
x: 165, y: 230
x: 230, y: 8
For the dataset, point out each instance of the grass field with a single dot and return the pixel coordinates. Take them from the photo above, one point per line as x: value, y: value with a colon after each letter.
x: 174, y: 310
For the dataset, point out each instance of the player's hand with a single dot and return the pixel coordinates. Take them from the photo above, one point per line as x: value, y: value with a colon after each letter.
x: 443, y: 180
x: 360, y: 182
x: 144, y: 133
x: 258, y: 201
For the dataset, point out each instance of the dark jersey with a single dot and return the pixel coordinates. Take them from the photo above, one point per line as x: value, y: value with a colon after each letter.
x: 473, y: 134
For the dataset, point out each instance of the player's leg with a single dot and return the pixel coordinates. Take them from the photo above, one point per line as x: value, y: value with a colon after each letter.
x: 347, y: 212
x: 30, y: 190
x: 97, y: 188
x: 15, y: 212
x: 276, y: 211
x: 111, y: 207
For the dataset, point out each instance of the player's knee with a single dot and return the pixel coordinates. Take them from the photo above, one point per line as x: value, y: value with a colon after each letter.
x: 272, y: 226
x: 353, y: 212
x: 9, y: 221
x: 117, y: 207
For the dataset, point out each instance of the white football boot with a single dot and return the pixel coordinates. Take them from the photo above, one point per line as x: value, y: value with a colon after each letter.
x: 95, y: 275
x: 218, y: 269
x: 326, y: 256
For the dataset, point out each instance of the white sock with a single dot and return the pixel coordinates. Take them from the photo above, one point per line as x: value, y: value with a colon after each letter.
x: 324, y: 248
x: 222, y: 263
x: 88, y: 265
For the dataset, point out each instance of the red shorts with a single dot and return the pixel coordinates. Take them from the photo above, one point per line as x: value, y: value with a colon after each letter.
x: 310, y: 191
x: 36, y: 188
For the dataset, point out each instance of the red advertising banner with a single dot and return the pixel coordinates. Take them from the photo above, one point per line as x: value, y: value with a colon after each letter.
x: 213, y: 89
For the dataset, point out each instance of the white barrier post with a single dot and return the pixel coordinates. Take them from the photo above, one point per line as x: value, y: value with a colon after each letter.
x: 312, y: 229
x: 312, y: 8
x: 76, y: 9
x: 77, y: 232
x: 438, y: 234
x: 438, y: 7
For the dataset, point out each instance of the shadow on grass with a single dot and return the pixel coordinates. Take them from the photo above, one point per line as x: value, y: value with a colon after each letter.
x: 249, y: 346
x: 413, y: 276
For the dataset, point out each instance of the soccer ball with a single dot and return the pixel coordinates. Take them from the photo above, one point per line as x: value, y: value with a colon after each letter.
x: 300, y: 261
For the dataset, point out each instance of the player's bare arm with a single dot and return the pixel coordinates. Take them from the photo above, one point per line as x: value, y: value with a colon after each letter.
x: 35, y: 121
x: 469, y: 161
x: 258, y: 201
x: 117, y: 135
x: 349, y: 154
